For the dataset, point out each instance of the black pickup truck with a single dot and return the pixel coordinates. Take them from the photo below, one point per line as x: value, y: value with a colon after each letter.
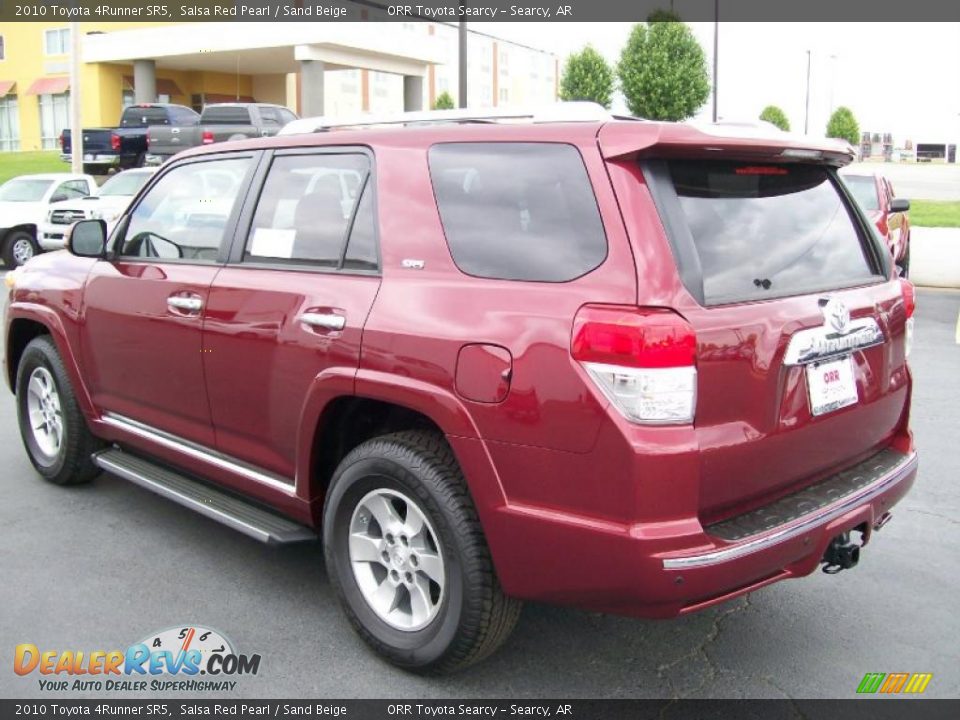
x: 125, y: 146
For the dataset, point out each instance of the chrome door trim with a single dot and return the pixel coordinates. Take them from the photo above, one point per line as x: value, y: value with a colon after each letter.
x: 199, y: 452
x: 821, y: 517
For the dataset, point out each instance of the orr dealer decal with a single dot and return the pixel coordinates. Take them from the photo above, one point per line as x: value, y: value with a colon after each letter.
x: 187, y: 658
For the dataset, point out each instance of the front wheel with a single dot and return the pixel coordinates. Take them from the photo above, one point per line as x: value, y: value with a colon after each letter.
x: 52, y: 426
x: 18, y: 248
x: 407, y: 557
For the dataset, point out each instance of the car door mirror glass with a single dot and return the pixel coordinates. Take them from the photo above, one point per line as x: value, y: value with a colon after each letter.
x: 88, y: 238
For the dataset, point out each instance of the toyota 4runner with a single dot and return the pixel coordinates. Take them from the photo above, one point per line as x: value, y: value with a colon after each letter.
x: 635, y: 367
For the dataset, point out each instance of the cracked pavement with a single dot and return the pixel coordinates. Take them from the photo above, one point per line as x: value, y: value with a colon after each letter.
x: 102, y: 566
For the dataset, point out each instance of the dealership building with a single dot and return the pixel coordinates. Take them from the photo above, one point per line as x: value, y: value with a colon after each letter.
x: 314, y: 68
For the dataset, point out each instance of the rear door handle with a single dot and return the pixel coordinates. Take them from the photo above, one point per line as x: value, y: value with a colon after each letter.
x: 325, y: 321
x: 185, y: 304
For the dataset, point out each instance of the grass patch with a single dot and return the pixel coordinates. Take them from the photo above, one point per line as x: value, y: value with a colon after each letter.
x: 935, y: 213
x: 25, y: 163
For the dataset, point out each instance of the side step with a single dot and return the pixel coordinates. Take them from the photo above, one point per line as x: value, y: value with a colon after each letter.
x: 251, y: 520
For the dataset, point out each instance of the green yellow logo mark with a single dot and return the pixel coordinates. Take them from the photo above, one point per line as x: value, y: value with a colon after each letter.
x: 892, y: 683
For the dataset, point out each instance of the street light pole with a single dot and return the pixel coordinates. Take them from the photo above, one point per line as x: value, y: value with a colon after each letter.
x: 716, y: 56
x: 76, y: 134
x: 806, y: 113
x: 463, y: 64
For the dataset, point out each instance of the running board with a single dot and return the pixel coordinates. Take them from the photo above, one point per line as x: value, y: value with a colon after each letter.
x: 251, y: 520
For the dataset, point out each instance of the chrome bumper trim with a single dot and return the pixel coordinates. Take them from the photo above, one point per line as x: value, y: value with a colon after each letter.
x: 765, y: 541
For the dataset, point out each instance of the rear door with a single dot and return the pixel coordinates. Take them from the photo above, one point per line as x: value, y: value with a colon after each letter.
x: 291, y: 305
x: 800, y: 336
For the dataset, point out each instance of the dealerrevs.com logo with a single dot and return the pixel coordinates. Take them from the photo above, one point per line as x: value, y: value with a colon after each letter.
x: 188, y: 658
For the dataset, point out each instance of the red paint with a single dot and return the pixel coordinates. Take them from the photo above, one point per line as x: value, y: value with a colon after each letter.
x: 555, y: 472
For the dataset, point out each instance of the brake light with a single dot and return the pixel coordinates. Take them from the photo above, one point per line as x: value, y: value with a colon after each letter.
x: 910, y: 305
x: 207, y: 138
x: 761, y: 170
x: 642, y: 359
x: 115, y: 142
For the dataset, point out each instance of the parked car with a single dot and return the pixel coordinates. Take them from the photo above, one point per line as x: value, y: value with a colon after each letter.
x: 24, y: 203
x: 887, y: 212
x: 220, y: 122
x: 629, y: 366
x: 108, y: 204
x: 123, y: 147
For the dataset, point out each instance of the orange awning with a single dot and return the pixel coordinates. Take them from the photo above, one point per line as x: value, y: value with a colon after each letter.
x: 50, y: 86
x: 164, y: 86
x: 6, y: 86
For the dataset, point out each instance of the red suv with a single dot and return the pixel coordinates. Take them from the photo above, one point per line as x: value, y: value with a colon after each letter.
x: 635, y: 367
x: 888, y: 213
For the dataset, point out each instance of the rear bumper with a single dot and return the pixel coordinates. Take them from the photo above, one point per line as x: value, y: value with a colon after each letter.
x: 678, y: 566
x: 106, y: 161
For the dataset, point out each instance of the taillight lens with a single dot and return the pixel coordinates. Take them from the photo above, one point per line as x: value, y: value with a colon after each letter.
x: 115, y: 142
x: 910, y: 304
x: 207, y: 138
x: 642, y: 359
x: 61, y: 141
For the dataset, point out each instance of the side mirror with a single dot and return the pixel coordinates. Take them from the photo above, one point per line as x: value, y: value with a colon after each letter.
x: 899, y: 205
x: 88, y: 238
x: 59, y: 197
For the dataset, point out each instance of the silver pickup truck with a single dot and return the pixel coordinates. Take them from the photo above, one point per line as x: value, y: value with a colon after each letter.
x: 218, y: 123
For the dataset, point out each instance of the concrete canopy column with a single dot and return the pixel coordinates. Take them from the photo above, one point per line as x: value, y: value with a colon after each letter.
x: 412, y: 93
x: 145, y: 81
x: 311, y: 88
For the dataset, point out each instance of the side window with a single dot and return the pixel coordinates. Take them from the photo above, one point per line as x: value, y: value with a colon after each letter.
x: 185, y: 214
x: 305, y: 208
x: 269, y: 116
x: 73, y: 189
x: 286, y: 116
x: 362, y: 247
x: 517, y: 211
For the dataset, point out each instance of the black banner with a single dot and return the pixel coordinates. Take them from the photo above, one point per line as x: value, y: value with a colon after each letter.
x: 876, y: 709
x: 854, y: 11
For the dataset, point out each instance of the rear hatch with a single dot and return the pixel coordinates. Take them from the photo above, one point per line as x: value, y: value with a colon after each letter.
x: 171, y: 139
x: 800, y: 334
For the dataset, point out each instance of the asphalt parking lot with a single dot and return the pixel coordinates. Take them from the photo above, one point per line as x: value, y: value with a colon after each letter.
x: 101, y: 566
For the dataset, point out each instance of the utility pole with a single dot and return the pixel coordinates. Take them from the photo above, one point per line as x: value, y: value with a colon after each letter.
x: 806, y: 113
x: 76, y: 124
x: 463, y: 64
x: 716, y: 54
x: 833, y: 79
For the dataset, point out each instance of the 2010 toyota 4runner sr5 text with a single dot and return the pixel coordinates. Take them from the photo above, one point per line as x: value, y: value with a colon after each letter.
x: 635, y: 367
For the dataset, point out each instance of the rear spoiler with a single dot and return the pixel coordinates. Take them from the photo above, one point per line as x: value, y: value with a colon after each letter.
x: 624, y: 140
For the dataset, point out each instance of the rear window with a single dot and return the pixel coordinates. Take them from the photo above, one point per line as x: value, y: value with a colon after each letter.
x: 764, y: 231
x: 517, y: 211
x: 226, y: 115
x: 138, y: 116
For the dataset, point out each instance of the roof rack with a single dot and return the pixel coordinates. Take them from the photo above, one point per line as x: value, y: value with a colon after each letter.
x: 555, y: 112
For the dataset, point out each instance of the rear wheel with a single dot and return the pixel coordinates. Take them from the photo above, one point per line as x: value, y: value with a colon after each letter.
x: 407, y: 557
x: 18, y: 248
x: 52, y: 427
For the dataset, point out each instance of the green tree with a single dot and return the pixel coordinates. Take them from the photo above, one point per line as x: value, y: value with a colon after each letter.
x: 444, y: 101
x: 663, y: 70
x: 587, y: 76
x: 844, y: 125
x: 773, y: 114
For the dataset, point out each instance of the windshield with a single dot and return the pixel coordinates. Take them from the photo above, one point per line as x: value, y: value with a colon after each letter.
x: 864, y: 191
x: 127, y: 183
x: 24, y: 190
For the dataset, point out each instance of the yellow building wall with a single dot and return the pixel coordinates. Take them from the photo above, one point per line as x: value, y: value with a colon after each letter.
x: 101, y: 84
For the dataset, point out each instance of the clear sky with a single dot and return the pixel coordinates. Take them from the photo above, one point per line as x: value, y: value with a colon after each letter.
x: 902, y: 78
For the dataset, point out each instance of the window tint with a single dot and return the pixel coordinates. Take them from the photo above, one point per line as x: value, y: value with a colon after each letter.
x: 185, y: 214
x: 140, y: 116
x: 362, y: 247
x: 765, y: 231
x: 286, y: 116
x: 226, y: 115
x: 73, y: 189
x: 305, y: 208
x: 517, y: 211
x: 864, y: 190
x: 270, y: 116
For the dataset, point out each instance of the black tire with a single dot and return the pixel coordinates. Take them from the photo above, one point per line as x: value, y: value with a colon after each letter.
x: 71, y: 464
x: 474, y: 616
x: 13, y: 256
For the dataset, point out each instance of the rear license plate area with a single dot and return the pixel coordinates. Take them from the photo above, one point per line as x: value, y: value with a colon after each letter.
x: 831, y: 385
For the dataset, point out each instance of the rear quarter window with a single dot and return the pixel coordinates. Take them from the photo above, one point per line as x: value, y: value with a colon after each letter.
x: 227, y: 115
x: 517, y: 211
x: 763, y: 231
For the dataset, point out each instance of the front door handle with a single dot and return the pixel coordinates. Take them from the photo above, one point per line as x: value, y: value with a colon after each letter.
x: 325, y: 321
x: 185, y: 304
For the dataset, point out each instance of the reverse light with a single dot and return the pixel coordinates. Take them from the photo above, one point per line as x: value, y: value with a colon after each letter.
x: 207, y: 138
x: 642, y: 359
x: 910, y: 303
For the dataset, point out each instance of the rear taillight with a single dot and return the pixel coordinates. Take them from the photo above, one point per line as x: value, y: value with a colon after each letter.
x: 642, y: 359
x: 61, y: 141
x: 910, y: 305
x: 115, y: 142
x: 207, y: 138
